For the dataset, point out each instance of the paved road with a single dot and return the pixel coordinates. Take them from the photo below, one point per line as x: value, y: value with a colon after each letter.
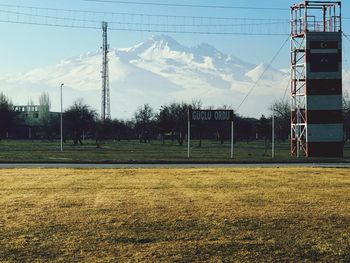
x: 119, y: 166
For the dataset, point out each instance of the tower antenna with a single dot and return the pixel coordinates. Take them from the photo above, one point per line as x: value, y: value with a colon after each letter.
x: 106, y: 104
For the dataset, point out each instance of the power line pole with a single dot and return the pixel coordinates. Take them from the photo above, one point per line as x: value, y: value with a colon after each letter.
x: 106, y: 104
x: 273, y: 132
x: 61, y: 120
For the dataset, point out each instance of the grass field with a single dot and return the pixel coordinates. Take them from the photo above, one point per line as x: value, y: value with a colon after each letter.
x: 133, y: 151
x: 176, y: 215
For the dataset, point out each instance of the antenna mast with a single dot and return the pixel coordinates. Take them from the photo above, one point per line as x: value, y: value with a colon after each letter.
x: 106, y: 104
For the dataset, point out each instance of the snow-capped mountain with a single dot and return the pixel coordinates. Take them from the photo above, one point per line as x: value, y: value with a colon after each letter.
x: 157, y: 71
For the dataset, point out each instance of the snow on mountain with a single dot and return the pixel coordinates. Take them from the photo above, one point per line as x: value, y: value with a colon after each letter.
x: 265, y: 72
x: 157, y: 71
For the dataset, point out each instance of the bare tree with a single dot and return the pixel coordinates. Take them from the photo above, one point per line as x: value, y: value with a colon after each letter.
x: 44, y: 107
x: 144, y: 118
x: 7, y: 115
x: 282, y: 112
x: 44, y: 113
x: 197, y: 105
x: 172, y: 119
x: 31, y: 119
x: 78, y: 118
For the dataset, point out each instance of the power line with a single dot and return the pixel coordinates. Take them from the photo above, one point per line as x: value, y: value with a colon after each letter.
x: 144, y: 30
x: 43, y: 17
x: 17, y: 7
x: 262, y: 74
x: 145, y: 14
x: 344, y: 49
x: 197, y: 25
x: 285, y: 91
x: 189, y: 5
x: 199, y: 32
x: 150, y: 24
x: 47, y: 24
x: 143, y: 22
x: 346, y: 36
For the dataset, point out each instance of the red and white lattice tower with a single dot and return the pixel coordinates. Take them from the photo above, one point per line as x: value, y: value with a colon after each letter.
x: 316, y: 79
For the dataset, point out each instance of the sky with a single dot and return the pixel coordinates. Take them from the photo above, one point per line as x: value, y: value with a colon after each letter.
x: 24, y: 47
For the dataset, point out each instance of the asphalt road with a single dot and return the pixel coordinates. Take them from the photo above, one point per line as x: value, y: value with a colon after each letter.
x: 120, y: 166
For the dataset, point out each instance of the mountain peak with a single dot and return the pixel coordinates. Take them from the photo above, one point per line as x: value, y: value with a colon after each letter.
x: 158, y: 42
x: 164, y: 38
x: 164, y: 41
x: 207, y: 50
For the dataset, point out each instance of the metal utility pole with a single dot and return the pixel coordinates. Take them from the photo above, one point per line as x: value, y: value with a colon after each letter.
x: 231, y: 139
x: 61, y: 120
x: 105, y: 105
x: 188, y: 133
x: 273, y: 133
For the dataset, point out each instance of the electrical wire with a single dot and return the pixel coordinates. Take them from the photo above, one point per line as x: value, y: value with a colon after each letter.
x: 133, y: 23
x: 146, y: 14
x: 48, y: 24
x: 37, y: 18
x: 346, y: 36
x: 345, y: 51
x: 143, y: 30
x: 255, y: 84
x: 142, y: 14
x: 285, y: 91
x: 199, y: 32
x: 189, y: 5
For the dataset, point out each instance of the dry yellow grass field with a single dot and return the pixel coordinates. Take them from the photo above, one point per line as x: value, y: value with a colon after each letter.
x: 175, y: 215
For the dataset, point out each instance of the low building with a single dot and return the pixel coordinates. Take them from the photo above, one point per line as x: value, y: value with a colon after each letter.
x: 28, y: 125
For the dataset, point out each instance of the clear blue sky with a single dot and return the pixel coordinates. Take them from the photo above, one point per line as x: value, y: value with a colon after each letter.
x: 24, y: 47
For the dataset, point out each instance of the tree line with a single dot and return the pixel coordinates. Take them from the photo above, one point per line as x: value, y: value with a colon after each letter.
x: 80, y: 122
